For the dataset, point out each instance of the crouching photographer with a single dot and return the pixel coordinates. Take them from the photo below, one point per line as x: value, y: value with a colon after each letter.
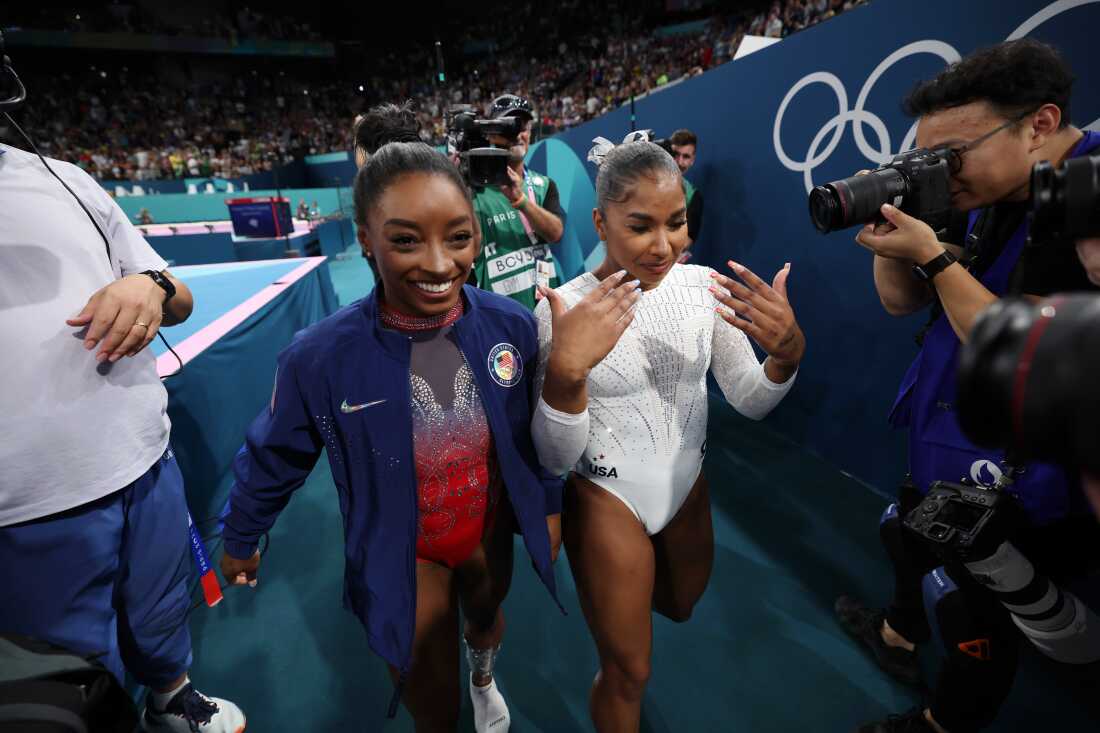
x: 518, y: 210
x: 983, y: 124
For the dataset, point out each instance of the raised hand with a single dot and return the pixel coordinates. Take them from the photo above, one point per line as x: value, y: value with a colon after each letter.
x: 761, y: 311
x: 900, y: 237
x: 587, y: 332
x: 514, y: 190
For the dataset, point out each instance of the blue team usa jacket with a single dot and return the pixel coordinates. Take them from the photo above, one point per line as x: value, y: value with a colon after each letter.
x: 343, y: 385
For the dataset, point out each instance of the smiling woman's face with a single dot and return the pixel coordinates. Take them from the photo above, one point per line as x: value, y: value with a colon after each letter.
x: 647, y: 232
x: 423, y: 239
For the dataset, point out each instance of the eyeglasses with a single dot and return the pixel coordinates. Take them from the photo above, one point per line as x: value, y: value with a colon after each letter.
x: 955, y: 154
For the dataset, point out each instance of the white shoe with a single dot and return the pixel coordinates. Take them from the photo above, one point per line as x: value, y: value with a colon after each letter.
x: 490, y: 710
x: 190, y: 711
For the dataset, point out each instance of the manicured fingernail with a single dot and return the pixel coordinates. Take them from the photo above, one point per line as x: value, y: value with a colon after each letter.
x: 620, y: 273
x: 787, y: 266
x: 89, y: 344
x: 635, y: 283
x: 736, y: 267
x: 101, y: 357
x: 713, y: 275
x: 114, y: 357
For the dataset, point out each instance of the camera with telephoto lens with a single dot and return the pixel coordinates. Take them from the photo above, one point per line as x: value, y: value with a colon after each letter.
x: 917, y: 182
x: 1027, y: 379
x: 962, y: 522
x: 1065, y: 201
x: 481, y: 164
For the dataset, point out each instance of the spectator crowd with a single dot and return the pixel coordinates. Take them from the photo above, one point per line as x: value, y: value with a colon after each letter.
x: 576, y: 64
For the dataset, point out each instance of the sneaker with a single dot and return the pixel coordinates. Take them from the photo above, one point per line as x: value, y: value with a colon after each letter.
x: 490, y: 711
x: 190, y: 711
x: 911, y: 722
x: 865, y: 625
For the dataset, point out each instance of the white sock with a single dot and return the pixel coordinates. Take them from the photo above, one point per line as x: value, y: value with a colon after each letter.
x: 490, y: 710
x: 161, y: 699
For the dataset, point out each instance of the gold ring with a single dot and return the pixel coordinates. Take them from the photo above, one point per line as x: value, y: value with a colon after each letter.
x: 139, y: 323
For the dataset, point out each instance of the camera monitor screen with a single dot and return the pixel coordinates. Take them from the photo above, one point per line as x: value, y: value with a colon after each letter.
x: 960, y: 515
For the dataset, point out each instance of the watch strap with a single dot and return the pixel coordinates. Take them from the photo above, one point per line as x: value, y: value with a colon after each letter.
x: 935, y: 266
x: 164, y: 283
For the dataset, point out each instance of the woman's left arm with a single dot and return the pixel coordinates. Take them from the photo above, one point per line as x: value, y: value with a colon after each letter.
x: 761, y: 312
x: 533, y: 380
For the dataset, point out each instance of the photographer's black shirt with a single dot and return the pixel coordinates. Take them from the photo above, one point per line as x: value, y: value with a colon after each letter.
x: 1042, y: 269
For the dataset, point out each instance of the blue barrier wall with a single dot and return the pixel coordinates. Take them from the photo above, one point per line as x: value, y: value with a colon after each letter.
x: 205, y: 249
x: 330, y: 169
x: 777, y: 121
x: 171, y: 208
x: 291, y: 175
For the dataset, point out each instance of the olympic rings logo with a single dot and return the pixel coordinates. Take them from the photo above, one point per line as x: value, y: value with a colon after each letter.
x: 860, y: 116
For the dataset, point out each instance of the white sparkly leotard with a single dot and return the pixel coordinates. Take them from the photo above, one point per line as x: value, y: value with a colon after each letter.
x: 643, y: 435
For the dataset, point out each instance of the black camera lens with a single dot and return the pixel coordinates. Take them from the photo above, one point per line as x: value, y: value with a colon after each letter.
x: 825, y: 209
x: 1065, y: 201
x: 856, y: 200
x: 1027, y: 380
x: 488, y: 166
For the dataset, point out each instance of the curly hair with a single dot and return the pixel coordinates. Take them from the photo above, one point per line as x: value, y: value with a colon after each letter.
x: 1014, y: 77
x: 385, y: 123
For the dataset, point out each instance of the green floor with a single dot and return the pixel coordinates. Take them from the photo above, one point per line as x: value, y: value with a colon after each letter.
x: 762, y: 652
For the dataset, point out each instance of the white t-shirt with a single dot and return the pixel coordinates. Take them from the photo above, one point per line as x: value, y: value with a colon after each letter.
x: 71, y: 431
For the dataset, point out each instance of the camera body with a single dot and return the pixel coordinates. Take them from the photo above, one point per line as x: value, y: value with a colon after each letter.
x: 1065, y: 201
x: 961, y: 522
x: 917, y: 182
x: 481, y: 163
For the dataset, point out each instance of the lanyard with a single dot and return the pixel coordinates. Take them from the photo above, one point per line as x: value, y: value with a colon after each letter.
x: 530, y: 197
x: 210, y: 588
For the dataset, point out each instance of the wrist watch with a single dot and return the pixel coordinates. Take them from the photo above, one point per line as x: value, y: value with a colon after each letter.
x: 164, y: 283
x: 934, y: 266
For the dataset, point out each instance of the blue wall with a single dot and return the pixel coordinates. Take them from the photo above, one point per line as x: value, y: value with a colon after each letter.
x: 171, y: 208
x: 291, y: 175
x: 756, y: 204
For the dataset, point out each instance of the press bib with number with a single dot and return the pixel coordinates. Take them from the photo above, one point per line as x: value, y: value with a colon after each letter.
x: 513, y: 256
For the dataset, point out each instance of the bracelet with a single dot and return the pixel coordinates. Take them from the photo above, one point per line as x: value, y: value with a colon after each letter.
x: 520, y: 202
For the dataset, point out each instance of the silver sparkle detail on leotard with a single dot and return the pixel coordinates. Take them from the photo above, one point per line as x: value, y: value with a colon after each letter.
x: 647, y: 400
x: 450, y: 447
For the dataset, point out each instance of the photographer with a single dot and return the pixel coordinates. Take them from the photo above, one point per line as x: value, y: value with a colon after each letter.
x: 994, y: 114
x: 518, y: 221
